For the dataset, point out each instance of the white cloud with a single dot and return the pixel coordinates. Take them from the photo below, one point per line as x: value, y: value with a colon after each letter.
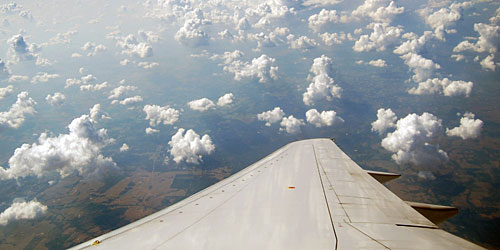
x: 382, y: 36
x: 22, y: 210
x: 261, y: 67
x: 79, y: 151
x: 444, y: 18
x: 96, y: 87
x: 56, y: 99
x: 378, y: 63
x: 124, y: 147
x: 488, y: 41
x: 458, y: 57
x: 322, y: 85
x: 93, y: 49
x: 324, y: 17
x: 4, y: 70
x: 18, y: 78
x: 444, y: 86
x: 379, y: 10
x: 304, y: 43
x: 156, y: 115
x: 318, y: 3
x: 150, y: 131
x: 333, y: 38
x: 20, y: 50
x: 291, y: 124
x: 189, y: 147
x: 6, y: 91
x: 325, y: 118
x: 148, y: 65
x: 225, y: 100
x: 119, y: 91
x: 191, y: 33
x: 422, y: 67
x: 487, y: 63
x: 410, y: 142
x: 469, y: 127
x: 63, y: 38
x: 385, y: 119
x: 131, y: 46
x: 72, y: 81
x: 15, y: 116
x: 271, y: 116
x: 43, y: 77
x: 202, y: 104
x: 131, y: 100
x: 413, y: 44
x: 97, y: 114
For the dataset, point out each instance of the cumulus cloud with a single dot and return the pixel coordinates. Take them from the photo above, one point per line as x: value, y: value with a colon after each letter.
x: 444, y: 18
x: 43, y: 77
x: 191, y: 33
x: 333, y: 38
x: 325, y: 118
x: 4, y: 70
x: 93, y: 49
x: 291, y: 124
x: 225, y: 100
x: 324, y: 17
x: 131, y: 100
x: 189, y: 147
x: 56, y: 100
x: 303, y: 42
x: 378, y: 10
x: 15, y: 116
x: 444, y: 86
x: 124, y: 147
x: 378, y: 63
x: 488, y: 41
x: 94, y: 87
x: 413, y: 44
x: 119, y: 91
x: 261, y: 67
x: 78, y: 151
x: 421, y: 67
x: 131, y: 45
x: 382, y: 36
x: 151, y: 131
x: 97, y: 114
x: 20, y: 50
x: 18, y: 78
x: 63, y: 38
x: 322, y: 85
x: 411, y: 141
x: 488, y: 64
x: 22, y: 210
x: 84, y: 79
x: 156, y: 115
x: 271, y: 116
x: 202, y: 104
x: 469, y: 127
x: 6, y: 91
x: 385, y: 119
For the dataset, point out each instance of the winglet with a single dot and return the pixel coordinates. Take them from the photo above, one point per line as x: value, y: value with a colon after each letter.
x: 435, y: 213
x: 382, y: 177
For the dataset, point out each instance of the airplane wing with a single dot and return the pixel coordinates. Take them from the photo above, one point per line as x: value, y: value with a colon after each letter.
x: 306, y: 195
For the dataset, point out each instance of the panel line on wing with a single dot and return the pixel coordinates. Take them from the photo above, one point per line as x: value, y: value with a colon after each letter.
x: 326, y: 199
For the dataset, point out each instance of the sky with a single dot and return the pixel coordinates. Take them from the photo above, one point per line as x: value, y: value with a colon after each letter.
x: 88, y: 87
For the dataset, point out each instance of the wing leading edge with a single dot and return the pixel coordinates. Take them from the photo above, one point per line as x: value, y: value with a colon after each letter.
x: 306, y: 195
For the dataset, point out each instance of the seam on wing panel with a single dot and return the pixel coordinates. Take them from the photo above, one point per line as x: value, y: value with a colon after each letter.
x: 223, y: 202
x: 326, y: 199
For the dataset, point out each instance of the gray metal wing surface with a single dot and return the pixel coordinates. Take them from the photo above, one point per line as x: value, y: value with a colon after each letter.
x: 306, y: 195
